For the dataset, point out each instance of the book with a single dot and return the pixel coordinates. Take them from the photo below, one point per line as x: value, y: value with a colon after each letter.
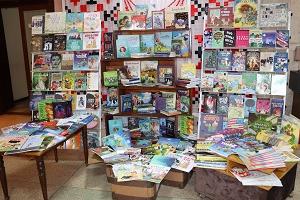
x: 10, y: 143
x: 112, y: 97
x: 279, y: 84
x: 210, y: 59
x: 269, y: 39
x: 35, y: 97
x: 91, y: 41
x: 249, y: 83
x: 158, y: 20
x: 249, y: 106
x: 290, y: 128
x: 273, y: 15
x: 183, y: 101
x: 133, y: 44
x: 68, y: 81
x: 170, y: 127
x: 186, y: 125
x: 59, y: 42
x: 133, y: 123
x: 110, y: 78
x: 124, y: 20
x: 207, y: 38
x: 143, y: 99
x: 255, y: 38
x: 122, y: 47
x: 41, y: 62
x: 48, y: 42
x: 93, y: 61
x: 220, y: 82
x: 217, y: 39
x: 234, y: 83
x: 277, y: 106
x: 210, y: 103
x: 74, y: 22
x: 220, y: 17
x: 115, y: 126
x: 281, y: 60
x: 181, y: 43
x: 149, y: 72
x: 62, y: 109
x: 263, y: 84
x: 92, y: 100
x: 147, y: 43
x: 165, y: 75
x: 108, y: 49
x: 181, y: 20
x: 55, y: 61
x: 154, y: 126
x: 224, y: 60
x: 163, y: 42
x: 40, y: 81
x: 236, y: 106
x: 222, y: 104
x: 207, y: 82
x: 67, y: 61
x: 37, y: 24
x: 80, y: 61
x: 282, y: 38
x: 229, y: 38
x: 56, y: 81
x: 242, y: 38
x: 160, y: 103
x: 210, y: 125
x: 37, y: 43
x: 92, y: 81
x: 187, y: 71
x: 266, y: 61
x: 91, y: 22
x: 138, y: 21
x: 126, y: 103
x: 80, y: 81
x: 259, y: 122
x: 74, y: 41
x: 238, y: 60
x: 252, y: 60
x: 245, y: 13
x: 170, y: 100
x: 144, y: 125
x: 131, y: 70
x: 263, y: 106
x: 55, y: 22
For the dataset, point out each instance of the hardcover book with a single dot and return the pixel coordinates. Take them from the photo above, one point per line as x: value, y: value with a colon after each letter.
x: 236, y: 106
x: 37, y: 25
x: 273, y: 15
x: 62, y: 109
x: 138, y: 22
x: 207, y: 38
x: 92, y: 81
x: 210, y: 59
x: 278, y: 86
x: 56, y: 81
x: 266, y: 61
x: 142, y: 100
x: 252, y: 60
x: 282, y: 38
x: 181, y: 43
x: 74, y: 22
x: 210, y: 103
x: 242, y: 38
x: 207, y: 82
x: 255, y: 38
x: 220, y: 17
x: 133, y: 123
x: 263, y: 84
x: 269, y: 39
x: 110, y: 78
x: 55, y: 22
x: 238, y: 60
x: 55, y: 61
x: 149, y: 72
x: 41, y: 62
x: 277, y: 106
x: 131, y: 70
x: 40, y: 81
x: 48, y: 42
x: 245, y: 13
x: 112, y: 97
x: 181, y: 20
x: 92, y: 100
x: 210, y: 125
x: 222, y: 104
x: 220, y: 82
x: 108, y: 48
x: 170, y: 128
x: 147, y: 43
x: 281, y: 60
x: 158, y: 20
x: 74, y: 41
x: 165, y: 75
x: 249, y: 83
x: 217, y: 39
x: 126, y: 103
x: 80, y: 61
x: 183, y: 101
x: 160, y: 103
x: 59, y: 43
x: 170, y: 100
x: 80, y: 81
x: 154, y: 126
x: 124, y: 20
x: 187, y: 71
x: 67, y: 61
x: 229, y: 38
x: 163, y: 42
x: 234, y: 83
x: 37, y: 43
x: 91, y: 41
x: 186, y: 125
x: 145, y: 127
x: 115, y: 126
x: 249, y: 106
x: 263, y: 106
x: 133, y: 44
x: 81, y: 102
x: 93, y: 61
x: 224, y: 60
x: 92, y: 22
x: 122, y: 47
x: 68, y: 81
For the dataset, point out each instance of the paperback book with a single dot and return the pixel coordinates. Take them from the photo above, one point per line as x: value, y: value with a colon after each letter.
x: 269, y: 39
x: 263, y: 84
x: 278, y: 86
x: 220, y: 17
x: 91, y: 41
x: 238, y: 60
x: 220, y: 82
x: 222, y: 104
x: 80, y: 81
x: 37, y: 43
x: 138, y: 22
x: 281, y: 60
x: 92, y: 22
x: 266, y: 61
x: 210, y: 103
x: 229, y: 38
x: 110, y: 78
x: 242, y: 38
x: 186, y: 125
x: 59, y: 43
x: 183, y: 101
x: 210, y: 59
x: 149, y: 72
x: 210, y: 125
x: 81, y: 102
x: 252, y: 60
x: 249, y: 83
x: 181, y: 43
x: 273, y: 15
x: 277, y: 106
x: 74, y: 22
x: 112, y: 97
x: 55, y: 22
x: 163, y: 42
x: 48, y: 42
x: 147, y: 44
x: 236, y: 107
x: 181, y: 20
x: 234, y: 83
x: 282, y: 38
x: 207, y: 38
x: 108, y: 49
x: 68, y: 81
x: 188, y: 71
x: 37, y: 25
x: 126, y: 103
x: 74, y: 41
x: 92, y: 100
x: 224, y: 60
x: 80, y: 61
x: 131, y: 71
x: 67, y: 61
x: 263, y: 106
x: 245, y: 13
x: 207, y: 82
x: 93, y: 61
x: 217, y: 39
x: 249, y: 106
x: 92, y: 81
x: 41, y: 62
x: 56, y: 81
x: 255, y: 38
x: 124, y: 20
x: 165, y: 75
x: 115, y: 126
x: 40, y: 81
x: 55, y: 61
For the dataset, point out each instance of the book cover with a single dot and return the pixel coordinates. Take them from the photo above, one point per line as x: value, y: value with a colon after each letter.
x: 269, y: 39
x: 80, y: 81
x: 207, y: 82
x: 281, y: 60
x: 263, y: 84
x: 74, y: 41
x: 181, y: 43
x: 160, y: 103
x: 245, y: 13
x: 220, y: 17
x: 37, y: 44
x: 279, y: 84
x: 263, y: 106
x: 163, y: 126
x: 55, y: 61
x: 124, y: 20
x: 138, y: 22
x: 92, y: 81
x: 210, y: 124
x: 115, y: 126
x: 91, y: 22
x: 143, y: 99
x: 249, y: 83
x: 236, y: 106
x: 59, y: 43
x: 266, y: 61
x: 255, y: 38
x: 207, y: 38
x: 93, y: 61
x: 112, y: 97
x: 62, y: 109
x: 40, y: 81
x: 55, y: 22
x: 158, y: 20
x: 234, y: 83
x: 67, y: 61
x: 163, y: 42
x: 210, y: 59
x: 91, y: 41
x: 220, y: 82
x: 56, y: 81
x: 122, y: 47
x: 41, y: 62
x: 224, y: 60
x: 147, y: 43
x: 222, y: 104
x: 282, y: 38
x: 37, y: 25
x: 131, y: 70
x: 181, y: 20
x: 277, y: 106
x: 170, y: 128
x: 48, y: 42
x: 154, y: 126
x: 242, y: 38
x: 217, y: 39
x: 238, y: 60
x: 149, y: 72
x: 229, y: 38
x: 133, y: 42
x: 186, y: 125
x: 170, y: 100
x: 252, y: 60
x: 133, y: 123
x: 183, y: 103
x: 126, y: 103
x: 187, y: 71
x: 210, y: 103
x: 144, y: 125
x: 110, y: 78
x: 68, y: 81
x: 165, y: 75
x: 273, y: 15
x: 80, y: 61
x: 35, y: 97
x: 74, y: 22
x: 108, y: 47
x: 92, y: 100
x: 249, y: 106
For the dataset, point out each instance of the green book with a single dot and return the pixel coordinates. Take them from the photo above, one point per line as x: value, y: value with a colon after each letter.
x: 186, y: 124
x: 110, y: 78
x: 218, y: 39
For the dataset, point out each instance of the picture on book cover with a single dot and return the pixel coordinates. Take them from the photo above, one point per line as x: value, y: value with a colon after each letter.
x: 281, y: 62
x: 158, y: 20
x: 210, y: 125
x: 242, y: 38
x: 68, y: 81
x: 67, y: 61
x: 139, y: 21
x: 131, y: 70
x: 207, y: 38
x: 282, y: 38
x: 149, y: 72
x: 112, y: 97
x: 48, y: 42
x: 92, y: 100
x: 37, y: 43
x: 266, y: 61
x: 74, y: 41
x: 163, y: 42
x: 41, y: 62
x: 93, y: 139
x: 210, y: 103
x: 165, y: 75
x: 252, y: 60
x: 224, y: 60
x: 56, y: 81
x: 126, y: 103
x: 122, y: 47
x: 37, y: 25
x: 59, y: 43
x: 210, y: 59
x: 269, y: 39
x: 277, y: 106
x: 279, y: 82
x: 236, y: 106
x: 55, y: 22
x: 234, y: 83
x: 229, y: 38
x: 187, y: 71
x: 154, y: 126
x: 222, y: 104
x: 124, y: 20
x: 115, y: 126
x: 74, y: 22
x: 273, y: 15
x: 140, y: 100
x: 220, y: 82
x: 133, y: 44
x: 183, y: 102
x: 217, y: 39
x: 263, y: 106
x: 181, y: 20
x: 92, y: 22
x: 144, y: 125
x: 170, y: 100
x: 80, y: 81
x: 81, y: 61
x: 91, y: 41
x: 220, y: 17
x: 181, y: 43
x: 40, y: 81
x: 245, y: 13
x: 56, y: 61
x: 147, y: 43
x: 186, y: 125
x: 92, y: 81
x: 110, y: 78
x: 93, y: 61
x: 238, y: 60
x: 263, y: 84
x: 249, y: 106
x: 255, y: 38
x: 207, y: 82
x: 170, y: 127
x: 108, y: 49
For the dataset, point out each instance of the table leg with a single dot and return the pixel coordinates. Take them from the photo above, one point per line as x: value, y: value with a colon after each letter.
x: 55, y: 154
x: 3, y: 178
x: 42, y: 176
x: 85, y: 145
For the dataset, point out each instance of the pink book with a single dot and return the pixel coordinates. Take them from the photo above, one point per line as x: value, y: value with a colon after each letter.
x: 242, y: 38
x: 263, y: 106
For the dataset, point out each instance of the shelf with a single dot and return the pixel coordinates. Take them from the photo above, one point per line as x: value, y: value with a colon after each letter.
x: 64, y: 90
x: 211, y: 92
x: 70, y: 70
x: 143, y: 58
x: 241, y: 72
x: 67, y: 51
x: 246, y: 48
x: 148, y: 88
x: 138, y: 114
x: 142, y: 31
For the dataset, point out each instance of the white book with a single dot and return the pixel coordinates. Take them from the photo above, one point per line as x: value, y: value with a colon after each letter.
x: 92, y: 22
x: 266, y: 61
x: 278, y: 86
x: 81, y: 102
x: 91, y: 41
x: 55, y: 22
x: 37, y: 25
x: 92, y: 81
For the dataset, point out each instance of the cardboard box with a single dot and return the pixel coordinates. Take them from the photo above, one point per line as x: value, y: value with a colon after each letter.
x: 177, y: 178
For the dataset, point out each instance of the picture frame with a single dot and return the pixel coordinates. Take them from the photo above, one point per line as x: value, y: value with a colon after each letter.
x: 158, y: 19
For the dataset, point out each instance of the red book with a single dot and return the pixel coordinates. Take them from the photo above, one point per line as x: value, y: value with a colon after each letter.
x: 242, y: 38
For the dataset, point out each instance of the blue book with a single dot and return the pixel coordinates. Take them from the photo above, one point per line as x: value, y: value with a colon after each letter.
x: 147, y: 44
x: 114, y: 126
x: 122, y: 47
x: 144, y: 125
x: 133, y: 44
x: 74, y: 22
x: 74, y: 41
x: 282, y: 38
x: 162, y: 161
x: 277, y: 106
x: 81, y: 61
x: 281, y: 60
x: 224, y: 60
x: 169, y: 141
x: 163, y: 42
x: 210, y: 124
x: 163, y: 126
x: 126, y: 103
x: 181, y: 43
x: 269, y: 39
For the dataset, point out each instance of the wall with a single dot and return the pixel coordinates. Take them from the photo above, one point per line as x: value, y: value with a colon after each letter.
x: 13, y: 38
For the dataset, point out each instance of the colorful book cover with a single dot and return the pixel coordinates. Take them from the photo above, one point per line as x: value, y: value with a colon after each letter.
x: 131, y: 70
x: 74, y: 22
x: 217, y: 39
x: 290, y: 129
x: 249, y: 83
x: 220, y: 82
x: 236, y: 106
x: 108, y: 47
x: 170, y: 127
x: 158, y: 21
x: 249, y: 106
x: 93, y: 61
x: 138, y: 22
x: 59, y: 43
x: 188, y: 71
x: 273, y: 15
x: 37, y: 25
x: 91, y: 41
x: 112, y: 97
x: 207, y: 82
x: 255, y: 38
x: 163, y: 126
x: 238, y: 60
x: 210, y: 59
x: 165, y: 75
x: 122, y: 47
x: 92, y: 80
x: 186, y: 125
x: 163, y: 42
x: 263, y: 84
x: 181, y: 20
x: 210, y: 124
x: 55, y: 22
x: 181, y: 43
x: 48, y: 42
x: 74, y: 41
x: 269, y: 39
x: 35, y: 97
x: 144, y: 125
x: 68, y: 81
x: 278, y: 86
x: 183, y: 102
x: 170, y: 100
x: 154, y: 126
x: 141, y: 99
x: 242, y: 38
x: 224, y: 60
x: 92, y: 100
x: 234, y: 83
x: 263, y: 106
x: 110, y: 78
x: 40, y: 81
x: 124, y: 20
x: 37, y: 44
x: 160, y: 103
x: 115, y: 126
x: 252, y: 60
x: 133, y: 44
x: 56, y: 61
x: 210, y: 103
x: 245, y: 13
x: 229, y: 38
x: 80, y: 61
x: 133, y: 123
x: 266, y: 61
x: 259, y: 122
x: 67, y: 61
x: 282, y: 38
x: 207, y: 38
x: 56, y: 81
x: 277, y: 106
x: 126, y: 103
x: 80, y: 81
x: 220, y: 17
x: 92, y: 22
x: 149, y: 72
x: 281, y: 60
x: 147, y: 44
x: 41, y: 62
x: 222, y: 104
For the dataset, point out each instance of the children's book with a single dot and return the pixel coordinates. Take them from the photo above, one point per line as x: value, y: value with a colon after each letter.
x: 238, y: 60
x: 55, y: 61
x: 115, y: 126
x: 74, y: 22
x: 55, y: 22
x: 207, y: 82
x: 220, y: 82
x: 158, y: 21
x: 165, y: 75
x: 122, y: 47
x: 249, y: 106
x: 255, y: 38
x: 124, y: 20
x: 154, y: 126
x: 229, y: 38
x: 133, y: 123
x: 222, y: 104
x: 282, y: 38
x: 92, y: 81
x: 59, y: 43
x: 93, y: 61
x: 207, y: 38
x: 126, y: 103
x: 279, y: 84
x: 181, y: 20
x: 37, y: 44
x: 170, y: 100
x: 245, y: 13
x: 163, y: 126
x: 281, y: 60
x: 68, y: 81
x: 110, y: 78
x: 234, y: 83
x: 186, y: 125
x: 56, y: 81
x: 41, y: 62
x: 91, y: 41
x: 133, y: 44
x: 249, y: 83
x: 163, y: 42
x: 266, y: 61
x: 92, y: 22
x: 217, y: 39
x: 37, y: 25
x: 108, y: 47
x: 143, y: 99
x: 220, y: 17
x: 263, y: 106
x: 149, y: 72
x: 210, y: 103
x: 35, y: 97
x: 147, y: 43
x: 80, y: 61
x: 236, y: 106
x: 183, y: 101
x: 290, y: 128
x: 273, y: 15
x: 277, y: 106
x: 252, y: 60
x: 112, y: 97
x: 40, y: 81
x: 170, y: 127
x: 74, y: 41
x: 92, y: 100
x: 263, y: 84
x: 138, y: 22
x: 181, y: 43
x: 67, y: 61
x: 210, y: 125
x: 210, y: 59
x: 81, y: 102
x: 48, y: 42
x: 131, y: 70
x: 259, y: 122
x: 224, y: 60
x: 144, y: 125
x: 80, y: 81
x: 269, y: 39
x: 188, y: 71
x: 160, y: 103
x: 242, y: 38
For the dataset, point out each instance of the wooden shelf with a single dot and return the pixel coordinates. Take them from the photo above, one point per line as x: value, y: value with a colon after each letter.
x: 143, y: 58
x: 137, y: 114
x: 148, y: 88
x: 148, y: 31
